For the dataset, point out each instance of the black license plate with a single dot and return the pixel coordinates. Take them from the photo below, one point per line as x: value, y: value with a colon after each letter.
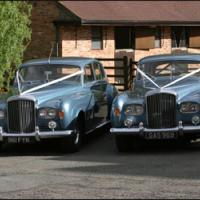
x: 160, y: 135
x: 23, y: 140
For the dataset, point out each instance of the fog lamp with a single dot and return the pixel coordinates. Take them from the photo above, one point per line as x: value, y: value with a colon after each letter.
x: 52, y: 125
x: 128, y: 122
x: 196, y: 120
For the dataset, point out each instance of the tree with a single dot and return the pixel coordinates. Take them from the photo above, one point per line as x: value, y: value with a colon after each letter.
x: 15, y: 33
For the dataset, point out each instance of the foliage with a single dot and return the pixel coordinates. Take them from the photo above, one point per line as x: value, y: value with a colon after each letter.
x: 15, y: 33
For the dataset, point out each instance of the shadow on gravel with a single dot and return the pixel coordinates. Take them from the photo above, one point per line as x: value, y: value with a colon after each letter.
x: 155, y: 160
x: 100, y: 156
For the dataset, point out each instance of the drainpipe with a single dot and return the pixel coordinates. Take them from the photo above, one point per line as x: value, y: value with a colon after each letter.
x: 57, y: 37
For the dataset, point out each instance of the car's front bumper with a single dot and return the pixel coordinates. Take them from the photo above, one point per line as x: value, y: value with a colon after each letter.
x: 141, y: 131
x: 37, y: 135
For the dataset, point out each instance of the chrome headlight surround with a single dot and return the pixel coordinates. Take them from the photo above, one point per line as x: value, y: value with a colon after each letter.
x: 134, y: 109
x: 47, y: 113
x: 189, y: 107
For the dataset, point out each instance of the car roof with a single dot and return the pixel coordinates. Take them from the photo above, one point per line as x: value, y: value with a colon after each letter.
x: 170, y: 57
x: 76, y: 61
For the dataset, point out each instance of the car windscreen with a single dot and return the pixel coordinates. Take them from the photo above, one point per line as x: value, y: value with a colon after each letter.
x: 164, y: 72
x: 31, y: 76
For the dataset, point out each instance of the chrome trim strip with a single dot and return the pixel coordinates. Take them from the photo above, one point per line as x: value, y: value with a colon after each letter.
x: 21, y: 97
x: 141, y: 131
x: 37, y: 135
x: 161, y: 90
x: 99, y: 126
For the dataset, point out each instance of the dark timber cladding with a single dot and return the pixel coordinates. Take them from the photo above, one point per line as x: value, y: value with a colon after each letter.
x: 135, y: 12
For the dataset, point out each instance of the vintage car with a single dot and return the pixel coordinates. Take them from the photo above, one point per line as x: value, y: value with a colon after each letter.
x: 61, y: 98
x: 164, y: 103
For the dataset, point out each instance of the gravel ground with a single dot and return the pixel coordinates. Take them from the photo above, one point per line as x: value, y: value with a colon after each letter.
x: 99, y: 171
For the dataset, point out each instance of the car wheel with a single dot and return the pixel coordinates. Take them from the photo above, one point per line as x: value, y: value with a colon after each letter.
x: 73, y: 143
x: 123, y: 143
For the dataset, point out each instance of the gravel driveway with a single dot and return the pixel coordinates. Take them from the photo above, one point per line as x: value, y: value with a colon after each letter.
x: 99, y: 171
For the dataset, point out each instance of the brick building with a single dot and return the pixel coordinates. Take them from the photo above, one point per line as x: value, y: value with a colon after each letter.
x: 112, y: 29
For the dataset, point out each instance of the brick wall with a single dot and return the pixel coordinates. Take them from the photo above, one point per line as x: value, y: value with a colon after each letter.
x: 44, y: 13
x: 43, y: 30
x: 76, y: 41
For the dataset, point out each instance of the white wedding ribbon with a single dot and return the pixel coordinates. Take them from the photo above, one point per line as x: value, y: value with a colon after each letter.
x: 169, y: 84
x: 45, y: 84
x: 184, y: 77
x: 18, y: 82
x: 147, y: 77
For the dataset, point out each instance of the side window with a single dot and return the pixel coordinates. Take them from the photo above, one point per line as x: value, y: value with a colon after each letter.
x: 102, y: 71
x: 99, y: 73
x: 89, y: 76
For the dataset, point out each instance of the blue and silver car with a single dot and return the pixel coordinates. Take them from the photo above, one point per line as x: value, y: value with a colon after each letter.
x: 56, y: 98
x: 164, y: 103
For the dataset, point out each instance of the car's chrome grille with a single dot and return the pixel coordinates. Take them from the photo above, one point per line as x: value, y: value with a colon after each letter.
x: 161, y: 110
x: 21, y: 116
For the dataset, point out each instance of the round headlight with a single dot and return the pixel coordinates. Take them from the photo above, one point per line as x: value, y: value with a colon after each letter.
x: 189, y: 107
x: 134, y: 109
x: 52, y: 113
x: 43, y: 113
x: 1, y: 114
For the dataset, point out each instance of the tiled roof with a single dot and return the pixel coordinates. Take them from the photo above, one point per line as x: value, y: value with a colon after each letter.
x: 135, y: 12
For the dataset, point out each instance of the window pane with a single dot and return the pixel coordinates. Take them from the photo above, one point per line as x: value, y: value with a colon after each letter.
x: 97, y: 71
x: 88, y: 74
x: 96, y: 38
x: 179, y: 37
x: 157, y: 38
x: 96, y: 44
x: 124, y: 38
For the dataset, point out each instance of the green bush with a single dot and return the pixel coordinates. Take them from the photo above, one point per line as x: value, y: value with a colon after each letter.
x: 15, y: 34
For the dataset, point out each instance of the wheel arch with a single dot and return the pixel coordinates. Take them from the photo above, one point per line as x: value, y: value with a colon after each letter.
x: 81, y: 116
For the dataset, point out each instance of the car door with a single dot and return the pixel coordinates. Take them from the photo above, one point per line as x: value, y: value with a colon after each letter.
x: 95, y: 80
x: 89, y: 82
x: 99, y: 90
